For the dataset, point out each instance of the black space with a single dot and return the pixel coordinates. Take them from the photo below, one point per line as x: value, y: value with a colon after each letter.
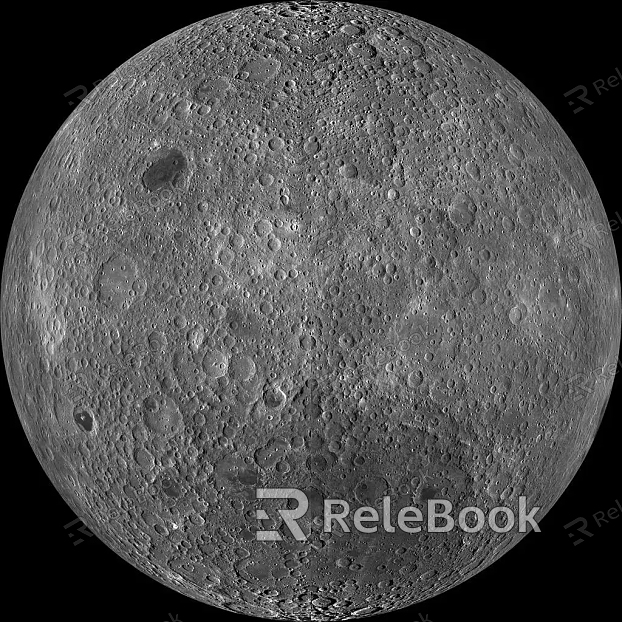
x: 551, y: 50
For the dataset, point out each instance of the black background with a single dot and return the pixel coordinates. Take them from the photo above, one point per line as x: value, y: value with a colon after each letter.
x: 545, y: 576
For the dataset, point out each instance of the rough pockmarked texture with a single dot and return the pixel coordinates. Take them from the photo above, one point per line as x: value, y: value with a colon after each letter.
x: 318, y: 246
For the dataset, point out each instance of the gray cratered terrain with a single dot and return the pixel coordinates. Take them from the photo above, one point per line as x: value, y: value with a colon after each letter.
x: 308, y: 245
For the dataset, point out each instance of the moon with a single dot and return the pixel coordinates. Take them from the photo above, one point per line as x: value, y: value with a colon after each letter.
x: 312, y: 246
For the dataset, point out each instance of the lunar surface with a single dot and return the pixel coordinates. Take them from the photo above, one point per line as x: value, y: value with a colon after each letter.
x: 305, y: 245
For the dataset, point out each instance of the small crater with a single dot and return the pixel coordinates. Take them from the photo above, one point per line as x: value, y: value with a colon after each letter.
x: 273, y: 397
